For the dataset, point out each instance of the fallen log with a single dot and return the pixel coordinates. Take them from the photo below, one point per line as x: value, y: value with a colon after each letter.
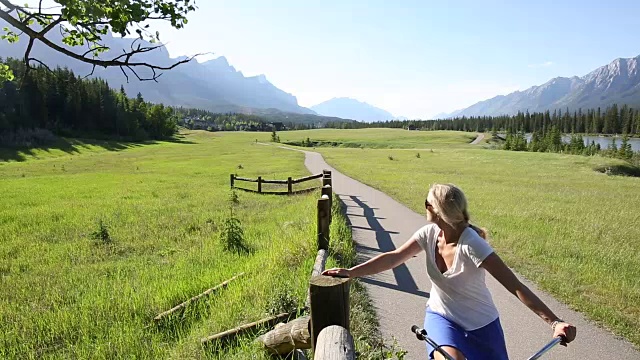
x: 229, y: 335
x: 288, y: 337
x: 184, y: 304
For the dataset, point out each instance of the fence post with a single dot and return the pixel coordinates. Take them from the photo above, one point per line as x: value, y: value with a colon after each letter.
x: 326, y: 190
x: 326, y: 179
x: 335, y: 342
x: 289, y: 185
x: 233, y: 177
x: 259, y: 184
x: 324, y: 216
x: 329, y: 302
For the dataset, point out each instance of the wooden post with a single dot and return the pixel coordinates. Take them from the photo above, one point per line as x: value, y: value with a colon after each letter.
x: 326, y: 172
x: 329, y: 304
x: 233, y: 177
x: 289, y: 185
x: 335, y: 343
x: 326, y: 180
x: 324, y: 214
x: 326, y: 190
x: 259, y: 184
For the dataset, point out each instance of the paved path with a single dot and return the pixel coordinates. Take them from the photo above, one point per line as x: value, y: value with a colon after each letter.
x: 379, y: 224
x: 478, y: 139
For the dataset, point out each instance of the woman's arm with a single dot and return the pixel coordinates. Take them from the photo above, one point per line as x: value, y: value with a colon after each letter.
x: 501, y: 272
x: 380, y: 263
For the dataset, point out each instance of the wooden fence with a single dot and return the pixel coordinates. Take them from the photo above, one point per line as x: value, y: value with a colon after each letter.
x: 328, y: 298
x: 289, y: 182
x: 326, y: 328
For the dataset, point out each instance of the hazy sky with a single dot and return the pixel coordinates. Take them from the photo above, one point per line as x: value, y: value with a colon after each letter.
x: 412, y: 58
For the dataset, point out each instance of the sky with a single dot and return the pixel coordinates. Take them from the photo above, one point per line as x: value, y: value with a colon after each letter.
x: 411, y: 58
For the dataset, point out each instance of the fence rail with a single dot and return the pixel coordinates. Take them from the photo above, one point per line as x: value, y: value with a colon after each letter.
x: 289, y: 182
x: 326, y: 328
x: 328, y: 297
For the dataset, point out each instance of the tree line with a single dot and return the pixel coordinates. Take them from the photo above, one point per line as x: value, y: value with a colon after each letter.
x: 551, y: 141
x: 207, y: 120
x: 611, y: 120
x: 68, y: 105
x: 65, y: 104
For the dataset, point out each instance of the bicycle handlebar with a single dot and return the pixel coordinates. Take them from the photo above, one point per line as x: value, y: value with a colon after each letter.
x: 421, y: 334
x: 552, y: 343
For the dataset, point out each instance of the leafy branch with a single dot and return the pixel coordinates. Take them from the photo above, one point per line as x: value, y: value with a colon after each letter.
x: 86, y: 22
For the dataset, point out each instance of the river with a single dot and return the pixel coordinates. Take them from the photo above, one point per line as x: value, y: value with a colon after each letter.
x: 604, y: 141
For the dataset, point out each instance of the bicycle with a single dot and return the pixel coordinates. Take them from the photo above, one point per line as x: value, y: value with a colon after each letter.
x: 421, y: 334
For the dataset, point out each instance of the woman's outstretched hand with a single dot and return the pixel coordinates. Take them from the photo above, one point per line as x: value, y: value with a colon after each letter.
x: 337, y: 272
x: 566, y: 331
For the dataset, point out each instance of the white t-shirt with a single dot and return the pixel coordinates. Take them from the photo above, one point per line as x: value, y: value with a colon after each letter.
x: 459, y: 294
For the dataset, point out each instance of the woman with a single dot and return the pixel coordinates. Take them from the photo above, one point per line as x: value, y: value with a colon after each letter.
x: 461, y: 316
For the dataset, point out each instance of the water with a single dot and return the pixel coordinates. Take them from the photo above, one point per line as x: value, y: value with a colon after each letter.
x: 604, y: 142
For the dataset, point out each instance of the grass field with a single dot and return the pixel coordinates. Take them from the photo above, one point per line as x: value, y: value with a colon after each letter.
x: 551, y: 216
x: 67, y: 293
x: 379, y: 138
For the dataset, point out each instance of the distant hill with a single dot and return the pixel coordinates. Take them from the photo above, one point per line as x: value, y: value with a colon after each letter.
x: 347, y: 108
x: 214, y: 85
x: 617, y: 82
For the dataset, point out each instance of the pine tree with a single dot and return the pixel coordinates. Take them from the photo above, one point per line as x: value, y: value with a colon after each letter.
x: 625, y: 152
x: 535, y: 144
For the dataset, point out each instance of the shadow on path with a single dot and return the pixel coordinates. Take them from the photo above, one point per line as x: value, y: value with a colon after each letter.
x: 421, y: 293
x: 403, y: 277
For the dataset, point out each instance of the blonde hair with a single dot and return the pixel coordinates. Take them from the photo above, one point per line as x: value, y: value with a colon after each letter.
x: 450, y: 205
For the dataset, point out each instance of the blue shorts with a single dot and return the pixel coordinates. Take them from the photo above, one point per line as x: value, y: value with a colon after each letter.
x: 485, y: 343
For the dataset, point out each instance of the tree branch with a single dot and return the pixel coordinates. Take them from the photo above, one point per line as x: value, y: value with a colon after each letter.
x: 28, y: 51
x: 9, y: 5
x: 123, y: 60
x: 50, y: 26
x: 40, y: 62
x: 95, y: 49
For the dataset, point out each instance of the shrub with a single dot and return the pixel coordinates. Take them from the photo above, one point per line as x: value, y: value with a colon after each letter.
x: 102, y: 233
x: 283, y: 301
x: 232, y: 236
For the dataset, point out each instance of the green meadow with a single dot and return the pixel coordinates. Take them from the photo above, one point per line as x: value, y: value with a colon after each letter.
x: 377, y: 138
x: 96, y: 238
x: 572, y: 230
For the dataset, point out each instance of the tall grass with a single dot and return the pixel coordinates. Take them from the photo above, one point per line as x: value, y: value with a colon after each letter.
x: 94, y: 244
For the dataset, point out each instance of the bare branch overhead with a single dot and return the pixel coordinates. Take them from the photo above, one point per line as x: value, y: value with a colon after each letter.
x: 89, y: 22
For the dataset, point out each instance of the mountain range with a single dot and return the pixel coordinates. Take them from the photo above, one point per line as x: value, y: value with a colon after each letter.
x: 213, y: 85
x: 217, y: 86
x: 617, y: 82
x: 348, y: 108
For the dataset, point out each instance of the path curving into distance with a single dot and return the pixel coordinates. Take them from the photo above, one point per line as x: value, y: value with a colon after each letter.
x: 478, y: 139
x: 379, y: 224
